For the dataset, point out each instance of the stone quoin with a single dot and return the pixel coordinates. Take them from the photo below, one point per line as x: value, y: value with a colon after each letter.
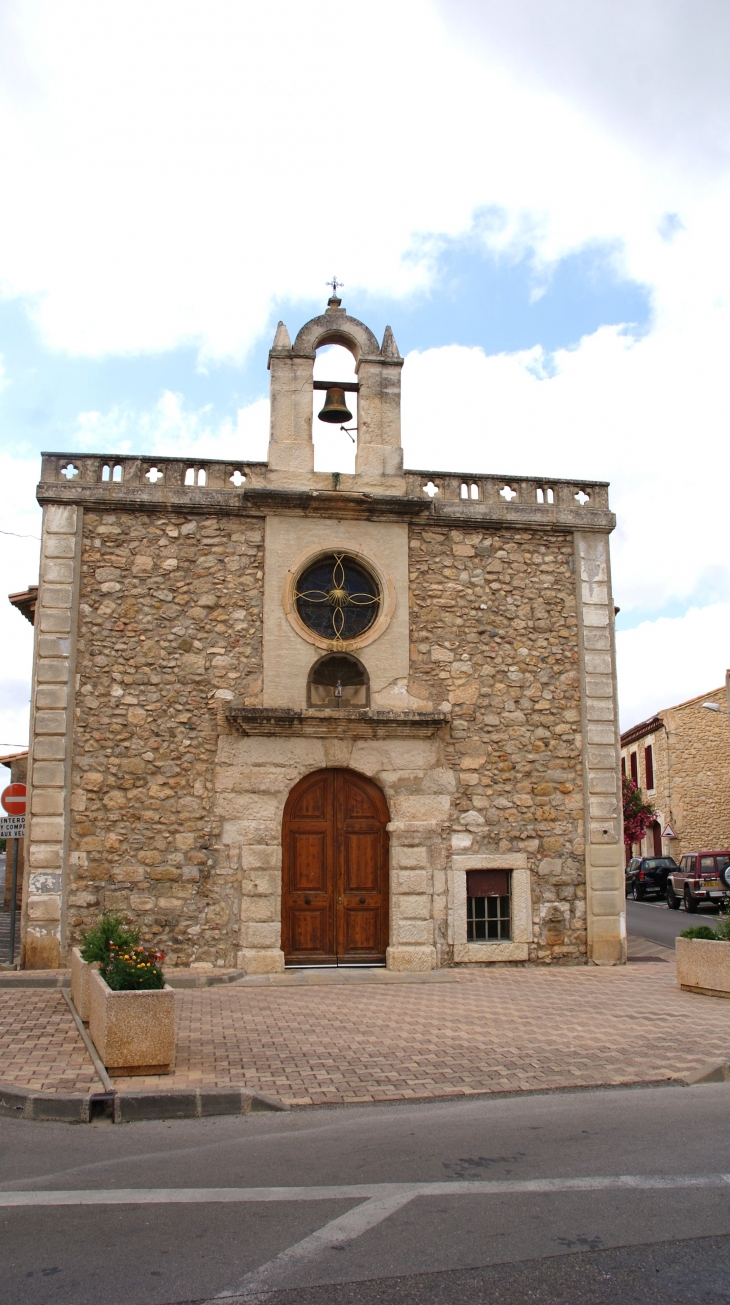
x: 280, y: 713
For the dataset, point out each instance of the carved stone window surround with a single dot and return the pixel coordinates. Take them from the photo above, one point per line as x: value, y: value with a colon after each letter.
x: 380, y: 624
x: 518, y: 948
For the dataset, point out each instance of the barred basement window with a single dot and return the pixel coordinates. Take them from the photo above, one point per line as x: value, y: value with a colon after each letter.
x: 488, y: 914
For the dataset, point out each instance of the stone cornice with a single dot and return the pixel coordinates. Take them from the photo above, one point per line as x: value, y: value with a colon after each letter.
x: 337, y: 723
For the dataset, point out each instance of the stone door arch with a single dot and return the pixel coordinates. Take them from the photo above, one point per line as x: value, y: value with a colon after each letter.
x: 334, y: 905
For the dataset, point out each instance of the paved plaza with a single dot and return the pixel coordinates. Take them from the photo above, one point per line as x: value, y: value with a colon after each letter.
x: 317, y: 1038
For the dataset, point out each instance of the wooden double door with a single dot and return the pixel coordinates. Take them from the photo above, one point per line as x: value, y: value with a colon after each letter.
x: 334, y: 907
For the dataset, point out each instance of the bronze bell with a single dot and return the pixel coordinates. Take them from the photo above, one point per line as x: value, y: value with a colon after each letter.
x: 335, y: 409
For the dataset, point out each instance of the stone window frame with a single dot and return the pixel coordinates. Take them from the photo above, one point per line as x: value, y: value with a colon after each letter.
x: 521, y: 904
x: 382, y: 620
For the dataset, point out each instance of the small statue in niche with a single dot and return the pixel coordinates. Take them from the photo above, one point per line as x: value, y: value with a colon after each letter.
x: 338, y: 680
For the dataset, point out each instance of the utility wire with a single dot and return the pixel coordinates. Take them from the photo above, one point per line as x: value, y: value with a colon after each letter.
x: 15, y: 535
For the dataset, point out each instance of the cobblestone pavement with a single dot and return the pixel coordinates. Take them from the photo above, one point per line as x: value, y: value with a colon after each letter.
x: 309, y: 1040
x: 40, y: 1046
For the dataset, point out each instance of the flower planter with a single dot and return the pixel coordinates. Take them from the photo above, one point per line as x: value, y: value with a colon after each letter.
x: 703, y: 966
x: 133, y: 1032
x: 80, y: 971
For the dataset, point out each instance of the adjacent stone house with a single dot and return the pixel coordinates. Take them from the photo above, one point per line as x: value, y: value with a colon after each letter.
x: 286, y: 716
x: 680, y: 758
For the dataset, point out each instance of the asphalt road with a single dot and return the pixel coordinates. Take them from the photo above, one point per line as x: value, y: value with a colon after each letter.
x: 510, y: 1199
x: 655, y: 921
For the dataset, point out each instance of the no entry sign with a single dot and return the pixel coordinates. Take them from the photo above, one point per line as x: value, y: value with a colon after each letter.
x: 13, y: 799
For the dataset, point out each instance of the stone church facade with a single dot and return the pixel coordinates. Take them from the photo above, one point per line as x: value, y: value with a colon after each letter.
x: 282, y: 715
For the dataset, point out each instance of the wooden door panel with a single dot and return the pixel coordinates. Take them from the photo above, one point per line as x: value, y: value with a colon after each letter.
x: 308, y: 863
x: 314, y: 802
x: 309, y: 931
x: 357, y: 804
x: 335, y: 870
x: 308, y: 872
x: 362, y: 870
x: 361, y: 930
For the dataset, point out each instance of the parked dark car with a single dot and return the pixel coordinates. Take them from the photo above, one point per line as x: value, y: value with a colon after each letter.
x: 647, y: 876
x: 701, y: 877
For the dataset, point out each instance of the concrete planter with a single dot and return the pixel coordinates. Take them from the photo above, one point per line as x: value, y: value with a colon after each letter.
x: 703, y: 966
x: 80, y: 970
x: 133, y: 1032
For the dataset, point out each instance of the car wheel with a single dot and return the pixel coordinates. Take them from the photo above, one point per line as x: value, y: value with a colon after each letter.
x: 637, y: 893
x: 690, y: 903
x: 673, y: 901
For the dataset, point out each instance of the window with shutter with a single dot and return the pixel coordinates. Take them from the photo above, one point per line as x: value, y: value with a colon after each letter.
x: 634, y: 765
x: 488, y: 915
x: 649, y: 765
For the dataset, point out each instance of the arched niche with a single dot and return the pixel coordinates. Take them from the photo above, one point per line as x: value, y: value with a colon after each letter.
x: 338, y: 680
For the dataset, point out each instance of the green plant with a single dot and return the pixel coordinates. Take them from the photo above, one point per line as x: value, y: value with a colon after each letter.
x: 110, y: 930
x: 700, y: 931
x: 134, y: 968
x: 723, y: 928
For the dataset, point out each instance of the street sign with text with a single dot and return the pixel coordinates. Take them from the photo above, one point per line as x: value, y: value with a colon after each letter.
x: 12, y: 826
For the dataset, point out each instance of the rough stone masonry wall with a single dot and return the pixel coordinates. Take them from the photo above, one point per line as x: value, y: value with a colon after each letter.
x: 494, y: 633
x: 169, y: 628
x: 698, y: 748
x: 659, y: 795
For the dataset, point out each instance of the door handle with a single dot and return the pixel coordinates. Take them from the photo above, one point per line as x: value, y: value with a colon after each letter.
x: 339, y: 899
x: 362, y: 901
x: 307, y: 901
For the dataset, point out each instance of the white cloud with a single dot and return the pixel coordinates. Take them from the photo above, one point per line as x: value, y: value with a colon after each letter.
x: 654, y: 71
x: 175, y: 168
x: 665, y: 662
x: 650, y: 416
x: 170, y: 428
x: 19, y: 552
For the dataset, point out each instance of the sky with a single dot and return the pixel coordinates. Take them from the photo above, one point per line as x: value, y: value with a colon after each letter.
x: 534, y: 194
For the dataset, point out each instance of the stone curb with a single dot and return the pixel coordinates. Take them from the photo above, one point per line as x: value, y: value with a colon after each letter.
x: 715, y: 1072
x: 12, y: 979
x: 131, y: 1107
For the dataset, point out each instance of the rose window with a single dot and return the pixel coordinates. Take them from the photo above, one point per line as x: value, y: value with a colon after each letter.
x: 337, y: 598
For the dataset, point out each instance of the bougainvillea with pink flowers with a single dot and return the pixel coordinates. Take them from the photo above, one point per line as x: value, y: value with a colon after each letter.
x: 638, y: 814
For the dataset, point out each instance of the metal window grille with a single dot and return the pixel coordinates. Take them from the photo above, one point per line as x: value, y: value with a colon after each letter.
x: 488, y: 906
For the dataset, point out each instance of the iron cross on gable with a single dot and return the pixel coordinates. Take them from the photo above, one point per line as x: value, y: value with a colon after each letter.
x: 336, y: 285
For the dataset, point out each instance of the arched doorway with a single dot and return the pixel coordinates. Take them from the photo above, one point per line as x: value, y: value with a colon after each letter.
x: 334, y: 902
x: 654, y: 840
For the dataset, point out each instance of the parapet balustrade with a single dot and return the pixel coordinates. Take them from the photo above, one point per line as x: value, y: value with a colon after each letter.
x: 208, y: 473
x: 167, y: 473
x: 495, y: 490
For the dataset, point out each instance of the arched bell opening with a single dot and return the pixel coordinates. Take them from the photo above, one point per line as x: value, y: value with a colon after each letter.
x: 334, y: 409
x: 338, y: 680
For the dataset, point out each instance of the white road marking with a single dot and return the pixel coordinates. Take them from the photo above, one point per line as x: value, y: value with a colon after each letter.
x: 355, y: 1191
x: 277, y: 1273
x: 378, y: 1202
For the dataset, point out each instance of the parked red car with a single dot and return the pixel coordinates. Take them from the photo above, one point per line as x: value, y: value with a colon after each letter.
x: 701, y: 877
